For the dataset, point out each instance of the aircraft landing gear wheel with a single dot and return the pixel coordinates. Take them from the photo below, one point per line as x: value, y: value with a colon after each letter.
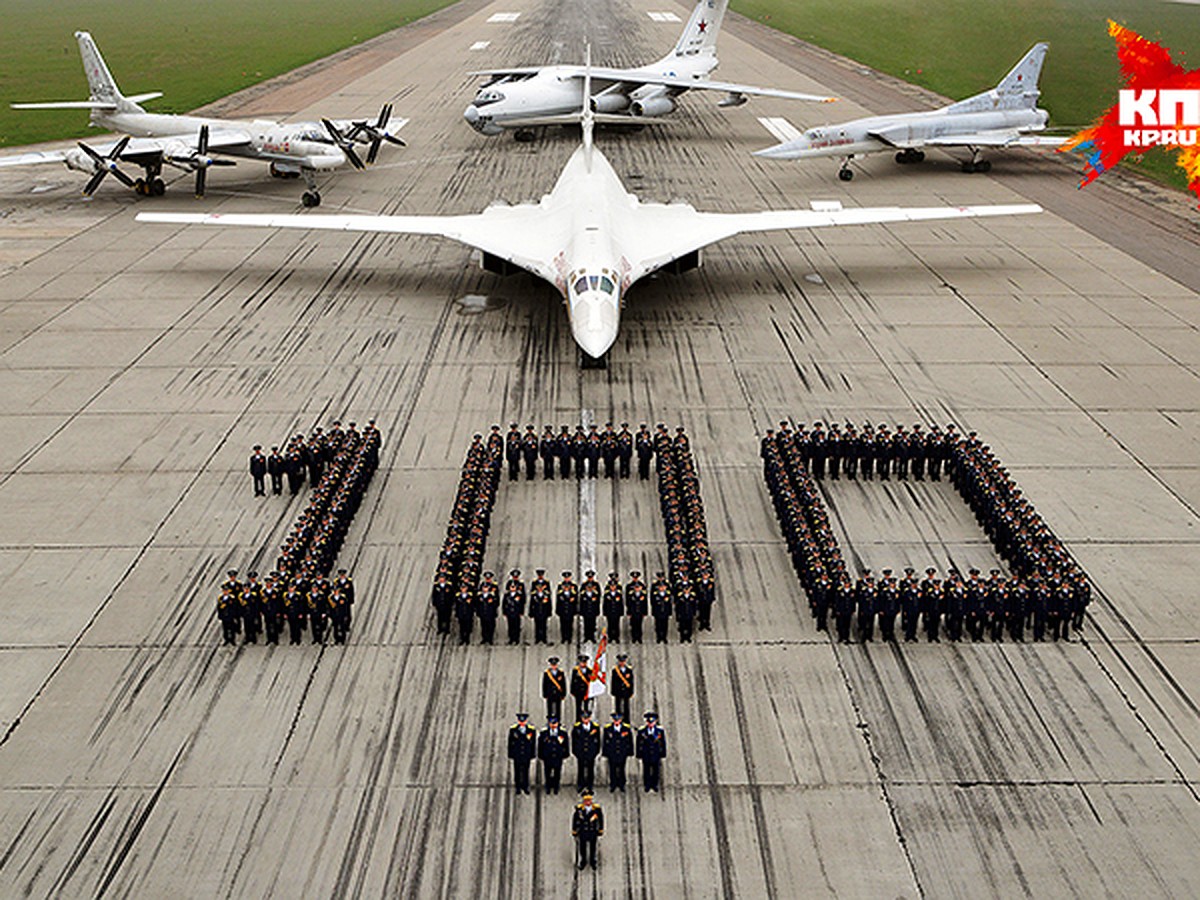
x: 311, y: 199
x: 918, y: 156
x: 157, y: 187
x: 968, y: 166
x: 592, y: 362
x: 901, y: 157
x: 139, y: 187
x: 845, y: 174
x: 523, y: 135
x: 984, y: 165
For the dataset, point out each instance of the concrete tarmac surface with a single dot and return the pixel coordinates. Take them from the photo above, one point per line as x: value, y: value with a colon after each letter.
x: 140, y: 363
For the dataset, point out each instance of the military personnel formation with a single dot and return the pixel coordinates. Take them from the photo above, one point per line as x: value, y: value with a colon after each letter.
x: 299, y: 594
x: 1048, y: 592
x: 463, y: 594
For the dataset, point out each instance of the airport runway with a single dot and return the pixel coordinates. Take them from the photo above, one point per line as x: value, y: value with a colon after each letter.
x: 140, y: 363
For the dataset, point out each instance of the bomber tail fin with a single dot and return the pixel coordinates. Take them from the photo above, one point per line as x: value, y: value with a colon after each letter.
x: 1019, y: 88
x: 700, y: 34
x: 102, y: 87
x: 588, y: 116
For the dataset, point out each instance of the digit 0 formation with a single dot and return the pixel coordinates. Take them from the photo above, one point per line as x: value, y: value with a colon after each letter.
x: 1047, y: 588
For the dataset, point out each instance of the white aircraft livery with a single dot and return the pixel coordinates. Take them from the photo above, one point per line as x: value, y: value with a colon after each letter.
x: 153, y: 140
x: 589, y: 237
x: 551, y: 95
x: 1005, y: 116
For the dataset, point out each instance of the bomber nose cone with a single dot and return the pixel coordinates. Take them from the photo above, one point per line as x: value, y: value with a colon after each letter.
x: 594, y: 325
x: 471, y: 114
x: 779, y: 151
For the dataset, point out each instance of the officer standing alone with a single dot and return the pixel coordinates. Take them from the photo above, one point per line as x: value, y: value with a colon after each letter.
x: 522, y: 747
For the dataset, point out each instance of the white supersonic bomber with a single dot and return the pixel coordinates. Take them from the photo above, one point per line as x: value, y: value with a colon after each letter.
x: 194, y: 143
x: 590, y: 238
x: 1005, y: 116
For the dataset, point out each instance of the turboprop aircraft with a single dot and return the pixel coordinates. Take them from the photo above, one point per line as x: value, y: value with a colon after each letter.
x: 589, y: 237
x: 551, y: 95
x: 152, y: 140
x: 1005, y: 116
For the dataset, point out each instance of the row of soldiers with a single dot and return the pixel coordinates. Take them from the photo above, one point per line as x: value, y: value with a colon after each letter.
x: 872, y: 450
x: 254, y: 608
x: 577, y: 606
x: 1049, y: 594
x: 586, y: 742
x: 580, y: 452
x: 301, y: 459
x: 689, y: 559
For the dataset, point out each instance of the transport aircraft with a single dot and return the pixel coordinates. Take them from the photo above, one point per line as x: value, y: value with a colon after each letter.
x: 1005, y: 116
x: 591, y: 238
x: 196, y: 143
x: 521, y: 99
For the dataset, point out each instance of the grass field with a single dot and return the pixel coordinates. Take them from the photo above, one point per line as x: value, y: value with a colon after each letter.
x: 193, y: 52
x: 960, y: 47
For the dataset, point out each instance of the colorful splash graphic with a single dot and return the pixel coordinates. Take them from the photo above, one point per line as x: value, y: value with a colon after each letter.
x: 1152, y: 82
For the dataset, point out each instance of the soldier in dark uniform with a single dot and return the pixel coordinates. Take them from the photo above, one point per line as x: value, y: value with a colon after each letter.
x: 541, y: 606
x: 514, y: 605
x: 955, y: 595
x: 1039, y: 597
x: 227, y: 613
x: 587, y: 824
x: 258, y: 471
x: 272, y: 604
x: 1081, y: 597
x: 487, y: 607
x: 851, y: 450
x: 617, y: 747
x: 252, y: 607
x: 318, y: 609
x: 974, y: 607
x: 864, y: 600
x: 589, y: 604
x: 866, y: 450
x: 554, y: 745
x: 442, y: 601
x: 591, y: 451
x: 934, y: 452
x: 529, y: 450
x: 275, y: 468
x: 547, y: 450
x: 887, y: 604
x: 624, y: 449
x: 562, y: 449
x: 554, y: 688
x: 660, y: 607
x: 621, y: 685
x: 995, y: 599
x: 294, y: 608
x: 884, y: 452
x: 706, y: 595
x: 608, y: 451
x: 614, y: 606
x: 843, y: 609
x: 464, y: 611
x: 685, y: 611
x: 579, y: 686
x: 522, y: 748
x: 931, y: 604
x: 910, y: 605
x: 339, y: 614
x: 651, y: 750
x: 917, y: 452
x: 900, y: 450
x: 1016, y: 601
x: 817, y: 450
x: 585, y: 747
x: 566, y: 605
x: 636, y: 605
x: 293, y: 467
x: 833, y: 451
x: 345, y: 584
x: 579, y: 451
x: 512, y: 452
x: 644, y: 444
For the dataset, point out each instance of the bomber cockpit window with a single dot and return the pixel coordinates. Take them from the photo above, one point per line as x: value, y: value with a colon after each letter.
x: 607, y: 285
x: 483, y: 98
x: 581, y: 285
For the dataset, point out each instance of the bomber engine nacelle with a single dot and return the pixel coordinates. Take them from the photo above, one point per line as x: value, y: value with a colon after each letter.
x: 81, y: 162
x: 610, y: 103
x: 650, y: 107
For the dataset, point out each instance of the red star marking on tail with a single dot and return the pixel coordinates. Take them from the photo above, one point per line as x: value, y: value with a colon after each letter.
x: 703, y: 26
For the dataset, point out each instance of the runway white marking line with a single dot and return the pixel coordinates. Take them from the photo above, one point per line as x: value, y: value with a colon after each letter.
x: 664, y: 17
x: 504, y: 17
x: 587, y: 510
x: 780, y: 128
x: 480, y: 45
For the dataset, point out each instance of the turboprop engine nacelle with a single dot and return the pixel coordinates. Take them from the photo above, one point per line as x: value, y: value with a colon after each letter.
x: 651, y: 107
x: 80, y: 162
x: 733, y: 100
x: 610, y: 103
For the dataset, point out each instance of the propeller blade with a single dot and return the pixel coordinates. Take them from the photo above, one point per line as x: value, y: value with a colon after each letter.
x: 333, y: 132
x: 392, y: 139
x: 119, y: 148
x: 353, y: 157
x: 94, y: 182
x: 202, y: 144
x: 96, y: 157
x: 201, y: 176
x: 384, y: 115
x: 120, y: 176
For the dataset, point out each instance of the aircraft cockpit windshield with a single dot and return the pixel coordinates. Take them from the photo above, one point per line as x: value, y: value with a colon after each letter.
x: 484, y: 97
x: 314, y: 136
x: 595, y: 283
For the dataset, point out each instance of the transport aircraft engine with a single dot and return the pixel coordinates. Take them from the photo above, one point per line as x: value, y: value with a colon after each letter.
x: 653, y: 106
x: 610, y: 103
